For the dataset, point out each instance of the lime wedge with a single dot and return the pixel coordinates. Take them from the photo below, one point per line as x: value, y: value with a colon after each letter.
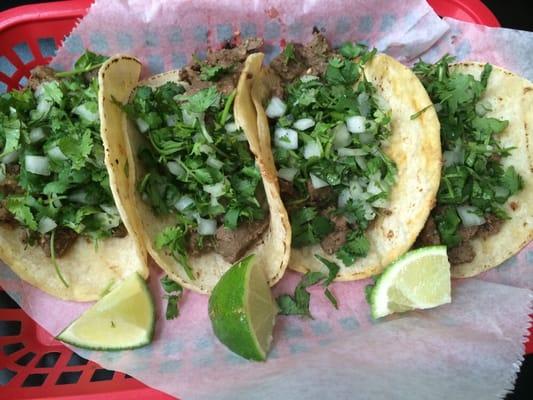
x: 419, y: 279
x: 243, y: 311
x: 122, y: 319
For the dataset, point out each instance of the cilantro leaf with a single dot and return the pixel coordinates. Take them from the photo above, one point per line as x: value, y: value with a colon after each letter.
x: 288, y: 53
x: 298, y: 304
x: 169, y: 285
x: 201, y: 100
x: 512, y: 181
x: 10, y: 132
x: 356, y: 246
x: 213, y: 73
x: 18, y: 206
x: 174, y: 294
x: 173, y: 238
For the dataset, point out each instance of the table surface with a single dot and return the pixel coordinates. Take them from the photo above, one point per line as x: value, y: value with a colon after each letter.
x: 511, y: 14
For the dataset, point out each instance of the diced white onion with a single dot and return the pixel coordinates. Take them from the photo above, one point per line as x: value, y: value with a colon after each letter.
x: 361, y: 162
x: 83, y: 111
x: 79, y: 196
x: 38, y: 165
x: 206, y: 226
x: 175, y: 169
x: 317, y: 182
x: 343, y: 151
x: 39, y: 91
x: 36, y: 134
x: 43, y: 106
x: 110, y: 209
x: 303, y: 124
x: 142, y: 125
x: 308, y: 78
x: 46, y: 225
x: 10, y: 157
x: 366, y: 138
x: 380, y: 203
x: 370, y: 214
x: 171, y: 119
x: 363, y: 103
x: 183, y: 203
x: 469, y: 217
x: 55, y: 153
x: 215, y: 190
x: 107, y: 221
x: 213, y: 162
x: 231, y: 127
x: 286, y: 138
x: 341, y: 137
x: 356, y: 124
x: 189, y: 118
x: 206, y: 149
x: 276, y: 108
x: 287, y: 173
x: 312, y: 149
x: 344, y: 196
x: 373, y: 188
x: 453, y: 157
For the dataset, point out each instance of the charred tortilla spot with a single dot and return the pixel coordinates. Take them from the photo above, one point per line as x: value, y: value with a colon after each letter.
x: 514, y: 205
x: 390, y: 234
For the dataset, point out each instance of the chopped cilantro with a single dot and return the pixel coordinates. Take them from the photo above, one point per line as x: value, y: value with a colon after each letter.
x: 288, y: 53
x: 174, y: 294
x: 213, y: 73
x: 473, y: 174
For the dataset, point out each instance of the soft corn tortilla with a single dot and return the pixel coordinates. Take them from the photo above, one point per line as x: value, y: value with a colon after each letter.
x: 511, y: 98
x: 119, y: 78
x: 414, y: 146
x: 89, y: 268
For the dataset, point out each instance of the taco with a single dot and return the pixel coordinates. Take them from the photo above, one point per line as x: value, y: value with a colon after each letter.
x: 59, y: 227
x: 484, y: 205
x: 357, y: 175
x: 186, y: 178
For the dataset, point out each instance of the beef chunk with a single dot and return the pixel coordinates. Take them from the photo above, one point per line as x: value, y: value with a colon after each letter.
x: 120, y: 231
x: 10, y: 183
x: 198, y: 245
x: 319, y: 196
x: 232, y: 244
x: 467, y: 233
x: 63, y: 241
x: 491, y: 226
x: 429, y: 236
x: 334, y: 241
x: 231, y: 56
x: 39, y: 75
x: 461, y: 254
x: 286, y: 189
x: 311, y: 59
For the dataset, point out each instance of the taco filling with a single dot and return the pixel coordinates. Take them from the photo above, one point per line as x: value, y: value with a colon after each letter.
x: 53, y: 180
x: 328, y: 132
x: 475, y: 185
x: 198, y: 169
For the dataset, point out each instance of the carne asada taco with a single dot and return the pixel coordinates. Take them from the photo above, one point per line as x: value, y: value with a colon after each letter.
x: 357, y: 175
x: 183, y: 168
x: 484, y: 205
x: 59, y: 227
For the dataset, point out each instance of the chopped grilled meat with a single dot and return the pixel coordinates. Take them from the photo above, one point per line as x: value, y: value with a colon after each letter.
x: 233, y: 244
x: 10, y: 183
x: 39, y: 75
x: 120, y: 231
x: 232, y: 57
x: 461, y: 254
x: 198, y: 245
x: 334, y: 241
x: 491, y: 226
x: 467, y: 233
x: 311, y: 59
x: 286, y: 189
x: 319, y: 196
x: 429, y: 236
x: 64, y: 239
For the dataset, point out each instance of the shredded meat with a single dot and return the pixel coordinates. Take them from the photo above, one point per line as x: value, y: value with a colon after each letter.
x: 429, y: 236
x: 232, y: 244
x: 491, y: 226
x: 39, y: 75
x: 334, y: 241
x: 461, y: 254
x: 120, y: 231
x: 231, y: 56
x: 319, y: 196
x: 311, y: 59
x: 63, y: 241
x: 198, y: 245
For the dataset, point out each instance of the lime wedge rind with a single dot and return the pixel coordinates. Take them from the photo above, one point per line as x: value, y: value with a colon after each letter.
x: 123, y: 319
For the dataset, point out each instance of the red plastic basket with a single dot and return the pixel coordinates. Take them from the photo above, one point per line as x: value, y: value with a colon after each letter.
x: 32, y: 364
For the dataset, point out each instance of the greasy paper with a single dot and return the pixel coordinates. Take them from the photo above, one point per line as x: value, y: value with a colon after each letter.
x: 470, y: 349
